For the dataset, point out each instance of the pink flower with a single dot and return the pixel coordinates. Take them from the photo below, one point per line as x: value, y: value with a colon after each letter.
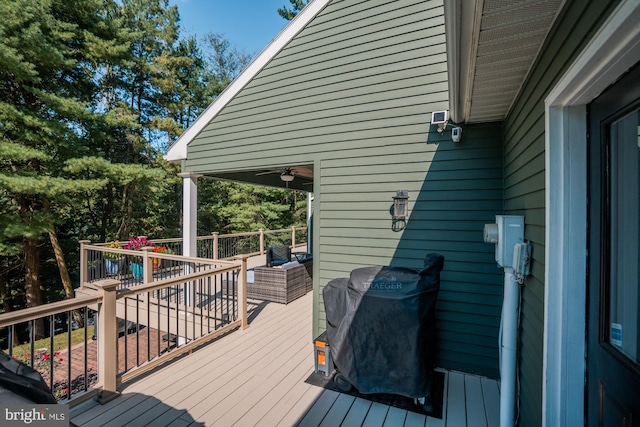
x: 45, y: 357
x: 56, y: 353
x: 137, y: 243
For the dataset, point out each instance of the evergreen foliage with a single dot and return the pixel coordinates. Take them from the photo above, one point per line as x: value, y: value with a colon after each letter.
x: 296, y: 7
x: 91, y: 93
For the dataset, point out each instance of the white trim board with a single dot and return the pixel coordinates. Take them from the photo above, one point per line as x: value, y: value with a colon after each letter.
x: 178, y: 151
x: 611, y: 52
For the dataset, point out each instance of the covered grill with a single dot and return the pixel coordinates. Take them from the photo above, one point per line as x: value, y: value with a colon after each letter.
x: 381, y: 327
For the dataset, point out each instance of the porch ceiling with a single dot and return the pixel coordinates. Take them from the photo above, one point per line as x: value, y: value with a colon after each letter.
x: 303, y: 177
x: 491, y: 45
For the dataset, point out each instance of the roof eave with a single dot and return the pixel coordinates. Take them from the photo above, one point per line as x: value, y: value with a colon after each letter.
x: 462, y: 27
x: 178, y: 151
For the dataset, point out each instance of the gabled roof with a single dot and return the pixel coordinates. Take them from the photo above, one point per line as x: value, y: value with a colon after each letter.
x: 491, y: 46
x: 178, y: 151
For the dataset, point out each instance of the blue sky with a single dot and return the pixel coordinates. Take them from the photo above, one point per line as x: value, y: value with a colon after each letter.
x: 248, y: 24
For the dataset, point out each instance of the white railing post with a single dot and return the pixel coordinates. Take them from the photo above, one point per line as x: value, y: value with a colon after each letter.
x: 84, y: 260
x: 242, y: 291
x: 293, y: 237
x: 147, y: 265
x: 216, y: 242
x: 261, y: 241
x: 107, y: 340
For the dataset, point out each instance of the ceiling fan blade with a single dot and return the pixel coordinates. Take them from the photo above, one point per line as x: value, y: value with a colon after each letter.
x: 268, y: 172
x: 307, y: 173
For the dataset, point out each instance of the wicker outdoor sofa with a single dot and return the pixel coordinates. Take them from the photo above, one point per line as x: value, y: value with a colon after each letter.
x: 281, y: 284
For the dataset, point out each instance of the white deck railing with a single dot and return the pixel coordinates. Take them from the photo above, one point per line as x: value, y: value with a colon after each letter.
x: 227, y: 246
x: 168, y: 303
x: 172, y: 309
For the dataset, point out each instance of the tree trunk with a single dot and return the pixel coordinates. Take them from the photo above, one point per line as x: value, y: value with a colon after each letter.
x: 32, y: 290
x: 126, y: 212
x: 4, y: 294
x: 62, y: 265
x: 64, y: 272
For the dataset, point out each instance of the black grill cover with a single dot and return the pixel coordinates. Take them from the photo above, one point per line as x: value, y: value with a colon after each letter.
x: 20, y: 384
x: 381, y: 327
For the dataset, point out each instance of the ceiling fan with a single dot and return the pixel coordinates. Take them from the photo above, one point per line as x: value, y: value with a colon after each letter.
x: 288, y: 174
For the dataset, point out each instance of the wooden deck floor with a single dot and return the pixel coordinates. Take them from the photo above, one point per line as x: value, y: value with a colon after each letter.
x: 256, y: 377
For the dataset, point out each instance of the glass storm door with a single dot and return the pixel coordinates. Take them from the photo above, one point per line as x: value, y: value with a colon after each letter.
x: 613, y: 324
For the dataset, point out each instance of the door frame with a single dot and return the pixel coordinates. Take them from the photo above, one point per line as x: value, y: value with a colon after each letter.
x: 609, y: 54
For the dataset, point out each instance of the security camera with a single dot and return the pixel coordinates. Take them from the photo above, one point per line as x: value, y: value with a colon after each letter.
x: 456, y: 133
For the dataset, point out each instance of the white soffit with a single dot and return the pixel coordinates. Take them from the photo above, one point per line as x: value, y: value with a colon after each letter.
x: 503, y: 48
x: 178, y: 151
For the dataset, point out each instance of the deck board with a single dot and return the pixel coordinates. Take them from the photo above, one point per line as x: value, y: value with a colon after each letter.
x: 357, y: 413
x: 491, y: 396
x: 415, y: 420
x: 395, y: 417
x: 257, y: 377
x: 338, y: 411
x: 376, y: 415
x: 475, y: 404
x: 456, y: 411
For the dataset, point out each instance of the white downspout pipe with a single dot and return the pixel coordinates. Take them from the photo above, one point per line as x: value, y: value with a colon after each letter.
x: 508, y: 348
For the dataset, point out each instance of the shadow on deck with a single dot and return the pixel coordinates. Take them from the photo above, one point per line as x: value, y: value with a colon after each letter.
x: 257, y: 377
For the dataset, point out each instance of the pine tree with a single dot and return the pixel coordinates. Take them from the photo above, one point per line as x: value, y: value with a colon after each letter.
x: 296, y: 7
x: 45, y: 87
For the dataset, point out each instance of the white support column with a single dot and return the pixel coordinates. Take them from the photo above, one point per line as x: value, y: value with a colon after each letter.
x: 309, y: 223
x: 189, y: 224
x: 189, y: 213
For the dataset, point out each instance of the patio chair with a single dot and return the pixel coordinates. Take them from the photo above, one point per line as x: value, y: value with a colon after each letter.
x: 278, y: 255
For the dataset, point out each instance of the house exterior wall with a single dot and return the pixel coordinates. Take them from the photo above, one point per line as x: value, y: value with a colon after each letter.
x: 524, y: 135
x: 352, y: 94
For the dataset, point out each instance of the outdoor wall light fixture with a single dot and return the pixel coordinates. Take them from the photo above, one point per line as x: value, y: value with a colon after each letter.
x: 401, y: 204
x: 441, y: 118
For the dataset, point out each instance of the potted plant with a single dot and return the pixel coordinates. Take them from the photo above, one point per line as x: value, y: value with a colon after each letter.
x: 113, y: 260
x: 162, y: 250
x: 136, y: 244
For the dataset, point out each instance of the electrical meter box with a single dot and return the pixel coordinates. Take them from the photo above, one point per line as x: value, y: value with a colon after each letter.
x: 510, y: 231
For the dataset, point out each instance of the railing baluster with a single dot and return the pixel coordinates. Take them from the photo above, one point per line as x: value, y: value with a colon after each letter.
x: 85, y: 321
x: 149, y: 326
x: 51, y: 352
x: 193, y: 311
x: 184, y: 296
x: 69, y: 343
x: 12, y: 331
x: 209, y: 304
x: 215, y: 302
x: 32, y: 334
x: 201, y: 311
x: 125, y: 336
x: 159, y: 324
x: 168, y: 322
x: 137, y: 330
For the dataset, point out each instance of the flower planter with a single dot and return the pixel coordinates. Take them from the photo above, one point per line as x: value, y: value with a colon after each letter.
x: 137, y: 270
x: 113, y: 266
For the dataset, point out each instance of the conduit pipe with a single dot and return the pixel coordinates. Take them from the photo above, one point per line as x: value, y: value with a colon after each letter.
x: 508, y: 348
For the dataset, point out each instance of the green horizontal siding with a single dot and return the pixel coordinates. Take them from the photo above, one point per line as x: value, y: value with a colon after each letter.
x: 352, y: 94
x: 525, y: 180
x: 447, y: 215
